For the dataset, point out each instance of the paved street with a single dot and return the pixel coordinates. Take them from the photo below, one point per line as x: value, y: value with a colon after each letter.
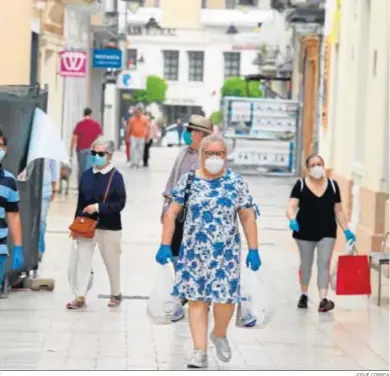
x: 37, y: 332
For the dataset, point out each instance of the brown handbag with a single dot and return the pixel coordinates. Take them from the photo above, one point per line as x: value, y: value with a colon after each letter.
x: 84, y: 227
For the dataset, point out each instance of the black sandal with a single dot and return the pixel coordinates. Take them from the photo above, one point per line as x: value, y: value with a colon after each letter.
x: 115, y: 300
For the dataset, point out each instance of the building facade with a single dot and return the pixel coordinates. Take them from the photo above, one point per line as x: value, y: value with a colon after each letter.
x: 51, y: 43
x: 354, y: 134
x: 76, y: 95
x: 43, y: 29
x: 193, y: 49
x: 20, y: 65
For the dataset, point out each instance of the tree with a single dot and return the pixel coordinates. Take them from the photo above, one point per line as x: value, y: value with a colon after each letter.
x: 238, y: 87
x: 155, y: 91
x: 156, y: 88
x: 216, y: 117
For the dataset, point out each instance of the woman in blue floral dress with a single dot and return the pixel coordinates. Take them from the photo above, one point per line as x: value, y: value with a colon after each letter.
x: 208, y: 269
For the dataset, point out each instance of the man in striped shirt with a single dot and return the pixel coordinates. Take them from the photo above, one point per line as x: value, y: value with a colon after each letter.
x: 9, y: 215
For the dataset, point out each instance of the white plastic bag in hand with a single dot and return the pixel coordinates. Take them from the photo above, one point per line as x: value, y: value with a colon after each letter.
x: 161, y: 305
x: 253, y: 312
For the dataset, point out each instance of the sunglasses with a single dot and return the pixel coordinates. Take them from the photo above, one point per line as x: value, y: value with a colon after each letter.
x: 99, y: 153
x: 214, y: 153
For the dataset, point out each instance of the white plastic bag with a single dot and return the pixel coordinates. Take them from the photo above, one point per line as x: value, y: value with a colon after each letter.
x: 72, y: 275
x: 253, y: 312
x: 161, y: 304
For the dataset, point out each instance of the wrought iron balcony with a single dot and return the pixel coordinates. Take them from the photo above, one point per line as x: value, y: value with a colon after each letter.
x: 301, y: 11
x: 281, y: 5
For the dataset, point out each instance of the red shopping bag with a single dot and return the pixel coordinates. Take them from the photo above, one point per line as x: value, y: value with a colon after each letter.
x: 353, y: 275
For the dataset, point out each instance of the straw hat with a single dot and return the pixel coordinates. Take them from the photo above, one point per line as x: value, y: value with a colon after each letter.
x: 200, y: 123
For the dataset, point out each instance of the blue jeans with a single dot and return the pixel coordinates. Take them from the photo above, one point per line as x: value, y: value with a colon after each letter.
x: 84, y: 158
x: 3, y: 259
x: 42, y: 228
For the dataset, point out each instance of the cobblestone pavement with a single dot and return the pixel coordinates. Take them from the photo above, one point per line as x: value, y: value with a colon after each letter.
x: 36, y: 331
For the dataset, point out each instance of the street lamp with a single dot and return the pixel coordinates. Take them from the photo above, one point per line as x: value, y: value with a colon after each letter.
x: 231, y: 30
x: 153, y: 25
x: 231, y: 33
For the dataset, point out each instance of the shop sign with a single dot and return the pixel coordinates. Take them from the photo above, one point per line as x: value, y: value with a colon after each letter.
x: 107, y: 58
x: 73, y: 63
x: 130, y: 80
x: 181, y: 101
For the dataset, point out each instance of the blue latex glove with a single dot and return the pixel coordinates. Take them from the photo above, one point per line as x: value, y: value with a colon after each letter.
x: 294, y: 226
x: 253, y: 260
x: 350, y: 236
x: 17, y: 258
x: 164, y: 254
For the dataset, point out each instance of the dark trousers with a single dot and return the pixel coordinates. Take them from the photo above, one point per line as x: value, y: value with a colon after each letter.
x: 147, y: 152
x: 180, y: 136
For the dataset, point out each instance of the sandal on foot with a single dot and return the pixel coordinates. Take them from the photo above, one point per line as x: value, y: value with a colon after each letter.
x: 76, y: 304
x: 115, y: 300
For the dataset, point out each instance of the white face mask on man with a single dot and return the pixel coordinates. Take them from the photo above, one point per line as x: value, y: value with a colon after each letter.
x: 214, y: 165
x: 317, y: 172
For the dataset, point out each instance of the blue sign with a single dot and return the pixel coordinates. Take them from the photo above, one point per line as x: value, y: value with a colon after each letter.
x: 107, y: 58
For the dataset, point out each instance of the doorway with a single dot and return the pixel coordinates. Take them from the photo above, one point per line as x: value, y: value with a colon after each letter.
x: 172, y: 113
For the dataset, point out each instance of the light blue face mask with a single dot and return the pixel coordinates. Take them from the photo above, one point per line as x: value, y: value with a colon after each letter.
x: 2, y: 154
x: 187, y: 138
x: 99, y: 161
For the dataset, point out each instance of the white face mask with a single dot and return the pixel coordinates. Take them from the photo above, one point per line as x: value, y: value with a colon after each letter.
x: 317, y: 172
x: 214, y: 165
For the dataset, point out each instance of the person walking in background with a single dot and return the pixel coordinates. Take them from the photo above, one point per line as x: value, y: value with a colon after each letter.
x: 208, y: 267
x: 180, y: 130
x: 151, y: 136
x: 9, y: 216
x: 188, y: 158
x: 127, y: 136
x: 50, y: 177
x: 313, y: 210
x: 137, y: 131
x: 84, y: 134
x: 102, y: 196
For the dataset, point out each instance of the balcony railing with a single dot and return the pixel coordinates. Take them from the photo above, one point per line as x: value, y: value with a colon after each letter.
x: 282, y: 5
x: 226, y: 17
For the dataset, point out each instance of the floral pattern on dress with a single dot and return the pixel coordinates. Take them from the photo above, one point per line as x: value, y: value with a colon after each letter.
x: 208, y: 267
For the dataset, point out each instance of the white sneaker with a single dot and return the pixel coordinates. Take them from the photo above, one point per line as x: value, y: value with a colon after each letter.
x: 198, y: 360
x: 224, y: 352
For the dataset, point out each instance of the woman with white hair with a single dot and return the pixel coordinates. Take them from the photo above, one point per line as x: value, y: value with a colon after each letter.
x: 102, y: 197
x: 208, y: 268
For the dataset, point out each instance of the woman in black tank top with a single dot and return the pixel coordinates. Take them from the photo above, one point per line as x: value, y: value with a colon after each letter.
x: 314, y: 209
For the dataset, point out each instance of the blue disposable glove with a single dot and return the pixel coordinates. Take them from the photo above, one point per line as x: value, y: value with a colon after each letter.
x: 253, y: 260
x: 164, y: 254
x: 294, y: 226
x: 350, y: 236
x: 17, y: 258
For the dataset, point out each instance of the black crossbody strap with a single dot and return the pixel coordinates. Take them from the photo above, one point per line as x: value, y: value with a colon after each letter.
x: 187, y: 192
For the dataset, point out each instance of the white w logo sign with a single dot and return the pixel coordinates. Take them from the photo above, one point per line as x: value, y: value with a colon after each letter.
x: 73, y: 61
